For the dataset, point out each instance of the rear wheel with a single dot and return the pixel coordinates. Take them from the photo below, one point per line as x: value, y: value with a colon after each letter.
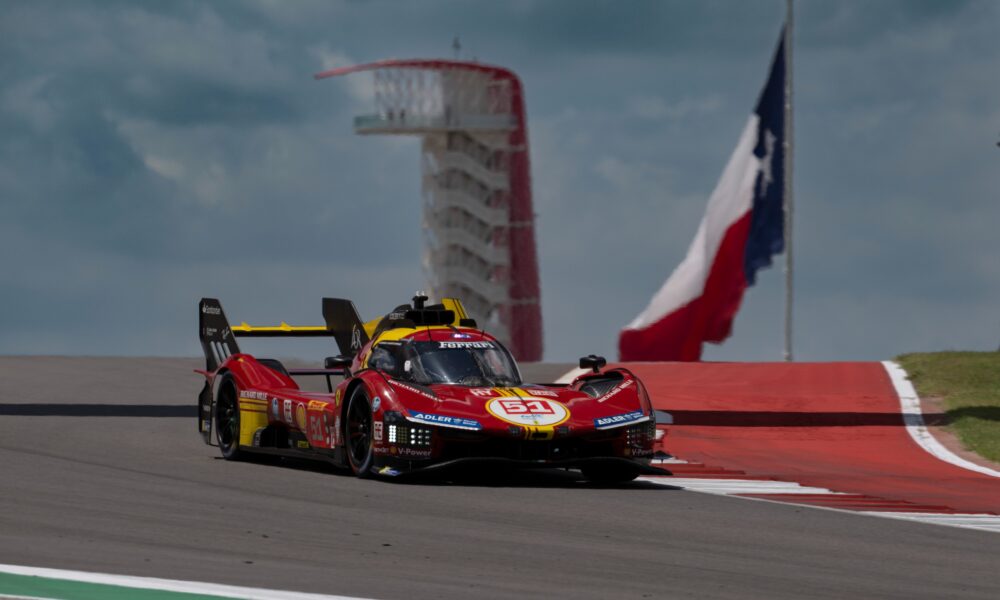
x: 358, y: 432
x: 609, y: 473
x: 227, y: 419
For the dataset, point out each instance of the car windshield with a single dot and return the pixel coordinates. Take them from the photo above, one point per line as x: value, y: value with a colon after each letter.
x: 479, y: 363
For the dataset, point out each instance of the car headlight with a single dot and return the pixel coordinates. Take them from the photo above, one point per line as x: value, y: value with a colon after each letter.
x: 640, y: 434
x: 409, y: 436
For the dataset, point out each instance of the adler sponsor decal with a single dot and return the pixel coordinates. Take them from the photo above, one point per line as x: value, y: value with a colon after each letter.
x: 541, y: 392
x: 210, y: 310
x: 619, y: 420
x: 614, y: 391
x: 446, y: 420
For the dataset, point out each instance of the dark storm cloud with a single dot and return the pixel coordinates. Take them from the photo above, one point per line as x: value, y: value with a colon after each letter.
x: 121, y: 77
x: 152, y: 153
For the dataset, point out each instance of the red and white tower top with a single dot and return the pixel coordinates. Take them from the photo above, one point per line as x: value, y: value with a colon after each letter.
x: 478, y: 218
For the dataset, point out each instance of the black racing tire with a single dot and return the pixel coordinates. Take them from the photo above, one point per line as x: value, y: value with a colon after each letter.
x: 358, y: 433
x: 609, y: 473
x: 227, y: 419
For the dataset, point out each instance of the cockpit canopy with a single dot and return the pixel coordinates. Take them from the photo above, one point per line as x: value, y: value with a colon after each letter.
x: 480, y: 363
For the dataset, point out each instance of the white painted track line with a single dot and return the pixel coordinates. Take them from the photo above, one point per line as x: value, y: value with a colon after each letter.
x: 915, y: 426
x: 966, y: 521
x: 168, y: 585
x: 736, y: 486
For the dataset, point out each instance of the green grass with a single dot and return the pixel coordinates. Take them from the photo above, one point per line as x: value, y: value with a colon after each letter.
x: 968, y: 383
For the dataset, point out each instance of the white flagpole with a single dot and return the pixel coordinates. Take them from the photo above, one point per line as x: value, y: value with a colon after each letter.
x: 789, y: 204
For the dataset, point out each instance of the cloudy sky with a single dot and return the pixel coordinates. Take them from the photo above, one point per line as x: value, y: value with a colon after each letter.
x: 154, y: 153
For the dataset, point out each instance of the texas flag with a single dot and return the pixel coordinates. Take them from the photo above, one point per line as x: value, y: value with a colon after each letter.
x: 742, y: 229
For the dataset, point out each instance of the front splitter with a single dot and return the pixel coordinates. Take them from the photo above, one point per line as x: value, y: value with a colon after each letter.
x: 393, y: 466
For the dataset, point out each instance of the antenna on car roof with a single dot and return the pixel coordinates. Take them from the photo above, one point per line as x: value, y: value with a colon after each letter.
x: 418, y: 300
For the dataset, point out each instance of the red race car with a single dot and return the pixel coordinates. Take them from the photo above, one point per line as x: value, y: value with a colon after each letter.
x: 420, y: 389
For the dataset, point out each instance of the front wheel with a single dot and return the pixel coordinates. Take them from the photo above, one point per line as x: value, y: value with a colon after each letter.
x: 358, y: 432
x: 227, y: 419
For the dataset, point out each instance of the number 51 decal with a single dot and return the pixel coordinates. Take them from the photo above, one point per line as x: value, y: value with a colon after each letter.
x: 526, y: 407
x: 532, y: 412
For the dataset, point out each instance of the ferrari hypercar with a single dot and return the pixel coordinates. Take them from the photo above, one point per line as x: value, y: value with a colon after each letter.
x: 421, y: 389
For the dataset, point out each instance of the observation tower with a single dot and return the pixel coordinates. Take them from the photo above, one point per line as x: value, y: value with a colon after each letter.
x: 478, y: 221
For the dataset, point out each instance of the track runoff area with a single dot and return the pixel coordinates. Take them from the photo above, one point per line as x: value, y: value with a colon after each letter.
x: 843, y: 437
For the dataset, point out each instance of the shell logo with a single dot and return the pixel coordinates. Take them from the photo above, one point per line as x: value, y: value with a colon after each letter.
x: 300, y: 416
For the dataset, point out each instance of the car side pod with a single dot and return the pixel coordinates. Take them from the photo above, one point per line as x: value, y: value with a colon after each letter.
x: 594, y: 362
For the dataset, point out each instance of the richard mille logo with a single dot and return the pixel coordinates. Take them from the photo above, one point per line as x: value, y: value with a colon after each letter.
x: 355, y: 338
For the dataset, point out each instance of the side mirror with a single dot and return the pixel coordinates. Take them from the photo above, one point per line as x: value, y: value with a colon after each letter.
x: 338, y: 362
x: 593, y: 362
x: 662, y: 417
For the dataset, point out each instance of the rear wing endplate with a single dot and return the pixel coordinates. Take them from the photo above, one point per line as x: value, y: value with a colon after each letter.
x: 218, y: 343
x: 343, y: 320
x: 217, y: 339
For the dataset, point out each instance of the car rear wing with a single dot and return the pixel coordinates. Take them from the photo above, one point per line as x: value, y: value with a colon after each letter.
x: 218, y: 337
x: 342, y: 322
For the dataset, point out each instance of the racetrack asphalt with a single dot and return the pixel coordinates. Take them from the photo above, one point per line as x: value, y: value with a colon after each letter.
x: 102, y: 469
